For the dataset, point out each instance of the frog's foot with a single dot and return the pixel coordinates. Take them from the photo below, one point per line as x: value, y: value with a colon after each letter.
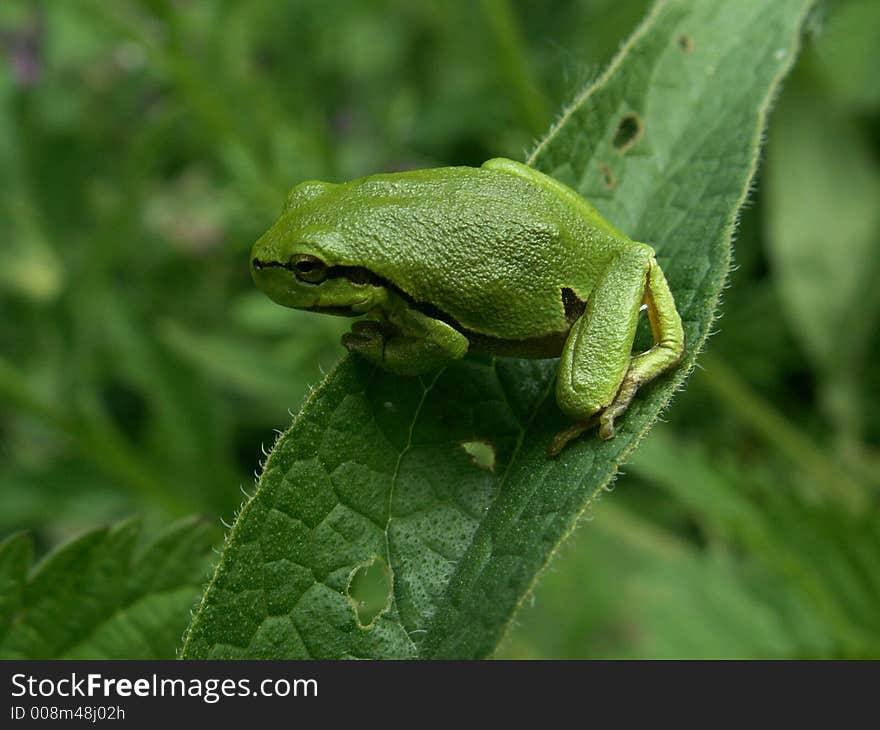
x: 617, y: 408
x: 413, y: 344
x: 367, y: 339
x: 576, y: 430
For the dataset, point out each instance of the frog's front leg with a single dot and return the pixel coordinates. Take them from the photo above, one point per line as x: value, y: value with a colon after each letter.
x: 405, y: 341
x: 598, y: 376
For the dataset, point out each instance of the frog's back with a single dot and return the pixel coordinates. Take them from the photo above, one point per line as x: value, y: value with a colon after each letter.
x: 495, y: 252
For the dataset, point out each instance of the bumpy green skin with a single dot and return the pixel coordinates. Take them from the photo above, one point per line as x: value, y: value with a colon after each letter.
x: 500, y: 258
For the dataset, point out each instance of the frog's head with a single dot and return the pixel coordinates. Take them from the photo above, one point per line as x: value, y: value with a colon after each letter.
x: 297, y: 262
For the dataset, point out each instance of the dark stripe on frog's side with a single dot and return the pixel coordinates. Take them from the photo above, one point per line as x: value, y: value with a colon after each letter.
x: 547, y: 346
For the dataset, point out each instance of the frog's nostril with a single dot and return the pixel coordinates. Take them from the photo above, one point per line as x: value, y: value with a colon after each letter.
x: 257, y: 264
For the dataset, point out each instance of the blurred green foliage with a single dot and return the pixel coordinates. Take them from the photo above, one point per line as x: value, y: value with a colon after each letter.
x: 102, y: 595
x: 144, y: 146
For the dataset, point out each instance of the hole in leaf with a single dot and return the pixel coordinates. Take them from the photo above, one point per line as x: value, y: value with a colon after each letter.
x: 369, y: 591
x: 608, y: 176
x: 686, y: 43
x: 629, y: 132
x: 482, y: 454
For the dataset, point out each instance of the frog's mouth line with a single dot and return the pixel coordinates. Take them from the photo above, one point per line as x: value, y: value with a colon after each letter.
x: 354, y: 274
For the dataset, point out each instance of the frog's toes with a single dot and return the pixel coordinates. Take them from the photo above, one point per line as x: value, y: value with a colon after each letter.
x: 606, y: 424
x: 617, y: 408
x: 565, y: 437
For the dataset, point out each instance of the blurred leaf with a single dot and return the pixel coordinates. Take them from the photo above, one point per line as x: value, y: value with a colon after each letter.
x: 15, y: 560
x: 825, y: 557
x: 183, y: 415
x: 78, y: 495
x: 702, y: 606
x: 504, y: 29
x: 373, y: 467
x: 823, y: 233
x: 251, y: 370
x: 275, y: 374
x: 848, y: 51
x: 762, y: 571
x: 97, y: 598
x: 823, y: 224
x: 28, y: 266
x: 631, y: 589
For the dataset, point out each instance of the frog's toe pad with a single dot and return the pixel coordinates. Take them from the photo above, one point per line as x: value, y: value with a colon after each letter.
x: 606, y: 425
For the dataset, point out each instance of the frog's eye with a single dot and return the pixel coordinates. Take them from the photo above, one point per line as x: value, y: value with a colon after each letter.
x: 309, y: 268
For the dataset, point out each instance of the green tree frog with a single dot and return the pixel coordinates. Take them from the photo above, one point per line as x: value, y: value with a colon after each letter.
x: 500, y: 258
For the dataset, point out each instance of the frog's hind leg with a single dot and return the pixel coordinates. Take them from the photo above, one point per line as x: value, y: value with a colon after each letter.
x: 597, y: 352
x: 667, y: 351
x: 598, y: 376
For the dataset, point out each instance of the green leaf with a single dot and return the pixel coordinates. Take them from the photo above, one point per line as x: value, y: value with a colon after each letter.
x: 15, y: 559
x: 253, y: 368
x: 97, y: 597
x: 849, y: 52
x: 629, y: 588
x: 820, y: 554
x: 823, y: 231
x: 380, y: 468
x: 823, y: 224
